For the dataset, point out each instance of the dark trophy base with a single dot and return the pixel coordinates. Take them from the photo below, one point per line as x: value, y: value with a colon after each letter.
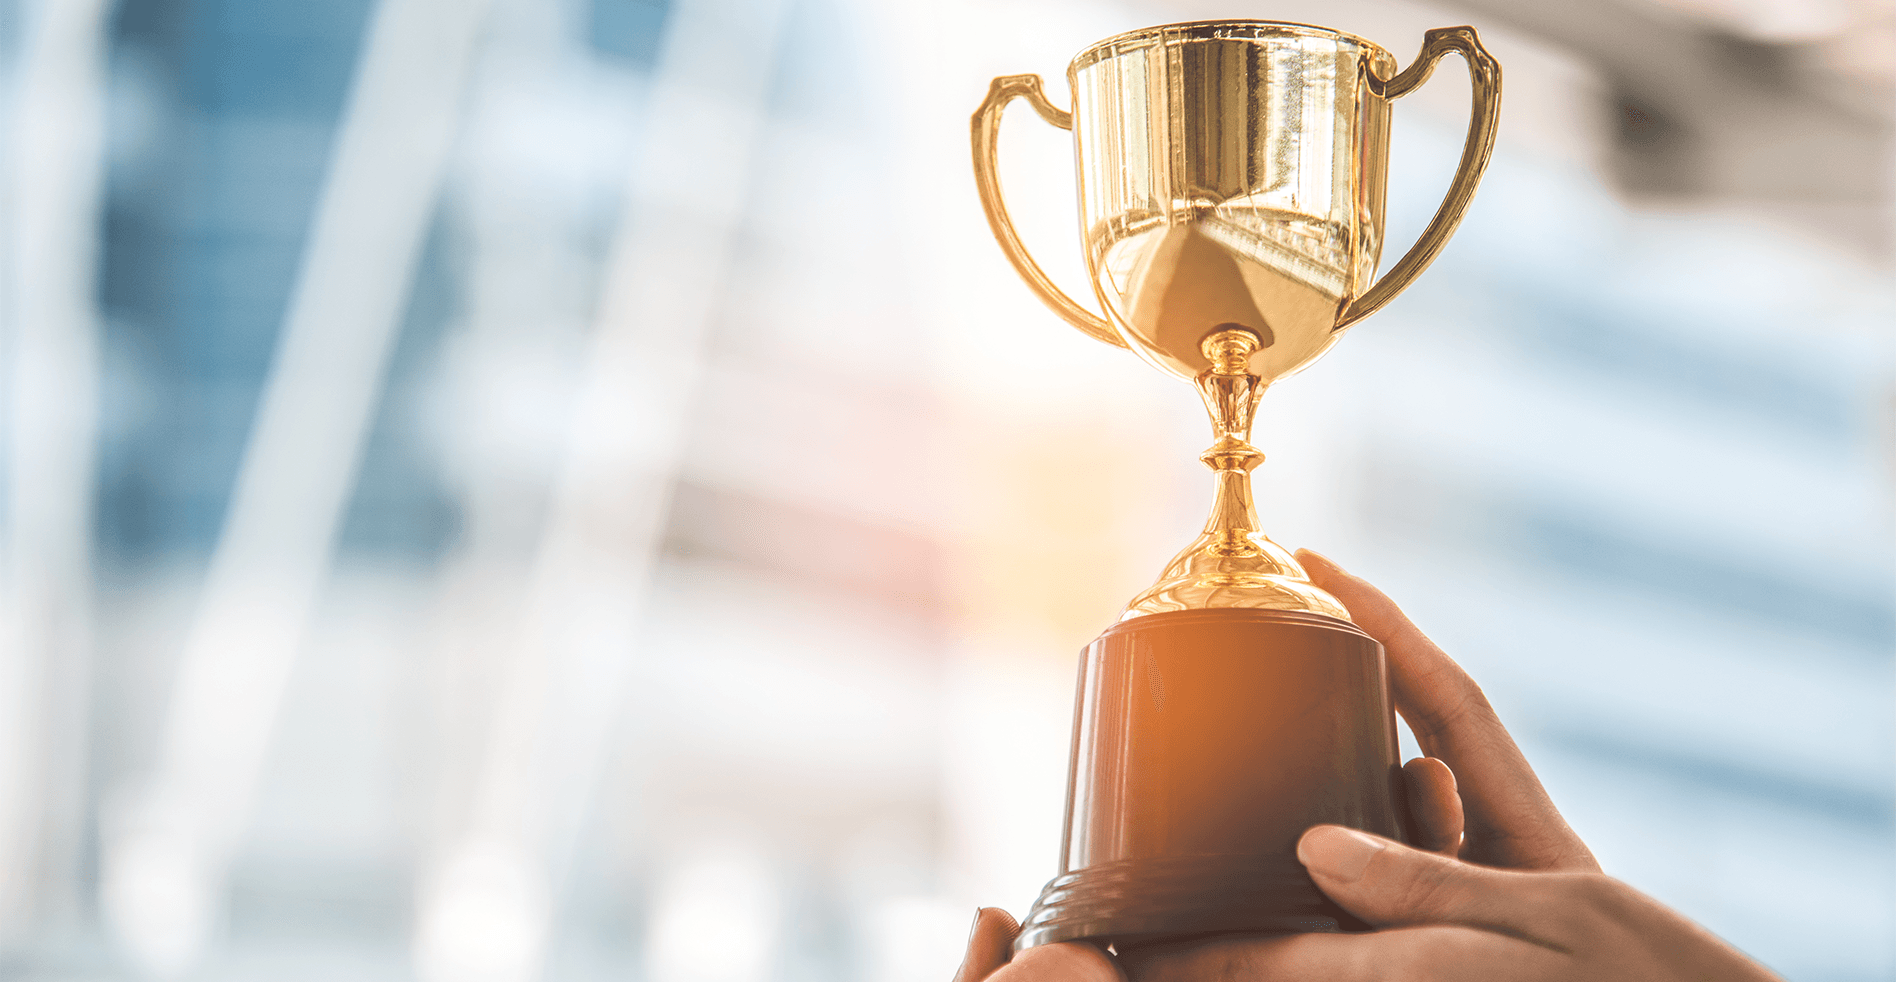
x: 1205, y: 742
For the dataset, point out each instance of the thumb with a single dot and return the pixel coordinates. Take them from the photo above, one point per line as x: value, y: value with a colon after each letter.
x: 990, y: 942
x: 1388, y: 884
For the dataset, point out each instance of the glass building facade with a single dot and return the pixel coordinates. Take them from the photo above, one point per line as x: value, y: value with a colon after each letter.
x: 723, y: 520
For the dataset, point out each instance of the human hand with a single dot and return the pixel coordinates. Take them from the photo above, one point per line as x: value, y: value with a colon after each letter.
x: 1439, y: 919
x: 1545, y: 914
x: 993, y: 939
x: 1486, y: 806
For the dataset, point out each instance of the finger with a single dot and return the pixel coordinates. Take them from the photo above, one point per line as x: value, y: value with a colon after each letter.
x: 989, y: 944
x: 1074, y: 961
x: 1431, y: 954
x: 1388, y: 884
x: 1433, y: 693
x: 1434, y: 804
x: 1508, y: 818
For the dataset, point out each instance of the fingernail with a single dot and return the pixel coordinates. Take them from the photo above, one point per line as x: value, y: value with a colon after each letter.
x: 1308, y: 554
x: 976, y: 926
x: 1337, y: 852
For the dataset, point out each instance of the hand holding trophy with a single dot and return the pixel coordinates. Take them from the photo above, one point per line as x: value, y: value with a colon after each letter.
x: 1231, y: 178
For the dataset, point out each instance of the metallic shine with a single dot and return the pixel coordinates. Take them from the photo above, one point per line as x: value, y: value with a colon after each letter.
x: 1232, y: 183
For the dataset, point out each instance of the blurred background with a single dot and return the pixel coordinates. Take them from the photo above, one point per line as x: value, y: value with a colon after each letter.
x: 501, y: 490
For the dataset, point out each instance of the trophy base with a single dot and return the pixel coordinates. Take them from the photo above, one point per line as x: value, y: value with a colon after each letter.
x: 1132, y: 903
x: 1205, y: 743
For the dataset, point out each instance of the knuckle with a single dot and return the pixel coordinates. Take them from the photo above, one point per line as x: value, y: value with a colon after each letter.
x: 1600, y: 894
x: 1578, y: 890
x: 1425, y: 887
x: 1585, y: 904
x: 1462, y: 702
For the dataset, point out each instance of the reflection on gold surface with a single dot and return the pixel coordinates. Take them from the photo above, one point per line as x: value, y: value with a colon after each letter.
x: 1230, y: 173
x: 1232, y: 564
x: 1232, y: 179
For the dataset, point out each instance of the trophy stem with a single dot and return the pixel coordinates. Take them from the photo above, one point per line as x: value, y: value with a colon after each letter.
x: 1233, y: 515
x: 1231, y: 393
x: 1232, y: 563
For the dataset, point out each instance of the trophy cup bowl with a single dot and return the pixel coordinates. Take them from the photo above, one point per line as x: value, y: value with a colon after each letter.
x: 1231, y: 189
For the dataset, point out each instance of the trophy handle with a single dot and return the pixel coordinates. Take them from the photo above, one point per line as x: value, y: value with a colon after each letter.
x: 987, y: 129
x: 1484, y: 76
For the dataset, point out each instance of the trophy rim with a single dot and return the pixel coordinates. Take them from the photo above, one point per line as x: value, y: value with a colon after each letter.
x: 1254, y: 615
x: 1197, y: 30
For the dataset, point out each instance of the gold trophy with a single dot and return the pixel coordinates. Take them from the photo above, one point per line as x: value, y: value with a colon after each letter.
x: 1231, y: 179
